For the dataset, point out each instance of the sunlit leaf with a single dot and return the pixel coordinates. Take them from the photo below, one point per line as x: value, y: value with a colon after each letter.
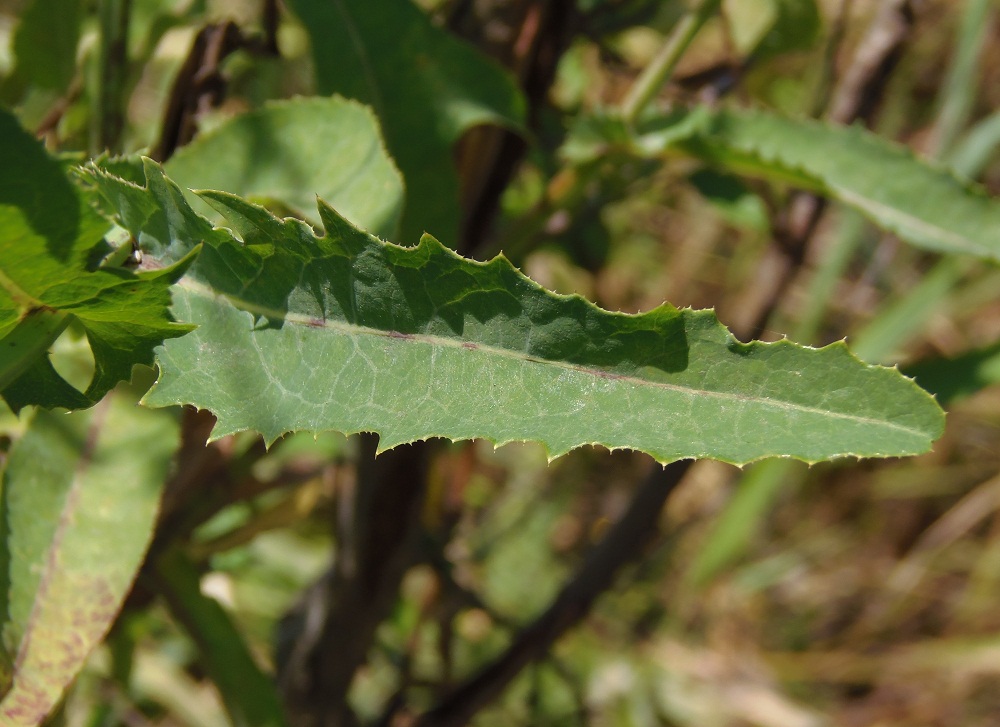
x: 426, y: 87
x: 349, y: 333
x: 291, y: 151
x: 49, y: 239
x: 922, y: 203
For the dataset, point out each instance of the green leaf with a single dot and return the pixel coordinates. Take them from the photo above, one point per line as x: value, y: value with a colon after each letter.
x: 796, y: 26
x: 292, y: 151
x: 426, y: 87
x: 731, y: 198
x: 346, y: 332
x: 922, y: 203
x: 748, y: 21
x: 80, y: 498
x: 977, y: 148
x: 45, y: 44
x: 763, y: 29
x: 49, y: 236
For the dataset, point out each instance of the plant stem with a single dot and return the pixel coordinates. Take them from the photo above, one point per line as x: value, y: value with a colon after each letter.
x: 658, y: 72
x: 112, y: 70
x: 623, y: 544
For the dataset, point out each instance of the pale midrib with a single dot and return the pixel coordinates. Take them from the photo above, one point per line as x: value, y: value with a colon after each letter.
x: 17, y: 294
x: 346, y: 328
x: 889, y: 214
x: 886, y: 214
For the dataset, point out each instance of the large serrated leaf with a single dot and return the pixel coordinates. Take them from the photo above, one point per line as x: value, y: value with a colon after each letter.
x: 350, y: 333
x: 80, y: 497
x: 48, y: 238
x: 426, y: 87
x: 924, y: 204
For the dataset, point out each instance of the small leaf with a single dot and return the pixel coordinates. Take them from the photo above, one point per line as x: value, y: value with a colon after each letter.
x: 923, y: 204
x: 48, y: 236
x: 346, y: 332
x: 80, y: 498
x: 426, y: 86
x: 292, y: 151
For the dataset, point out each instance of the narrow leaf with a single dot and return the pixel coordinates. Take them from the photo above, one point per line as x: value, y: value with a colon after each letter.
x: 922, y: 203
x: 291, y: 151
x: 48, y: 238
x: 349, y: 333
x: 426, y: 86
x: 977, y: 147
x: 80, y: 497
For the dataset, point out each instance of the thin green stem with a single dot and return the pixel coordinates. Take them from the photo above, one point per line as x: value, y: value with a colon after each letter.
x: 659, y: 71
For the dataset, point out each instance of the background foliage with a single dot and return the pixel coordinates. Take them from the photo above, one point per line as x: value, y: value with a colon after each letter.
x: 461, y: 579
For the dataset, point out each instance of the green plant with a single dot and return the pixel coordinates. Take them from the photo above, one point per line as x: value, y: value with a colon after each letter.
x: 273, y: 319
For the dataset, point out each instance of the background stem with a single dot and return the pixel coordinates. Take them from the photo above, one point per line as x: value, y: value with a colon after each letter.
x: 657, y: 73
x: 112, y: 68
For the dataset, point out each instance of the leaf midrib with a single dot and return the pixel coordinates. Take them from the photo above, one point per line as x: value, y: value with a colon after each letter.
x: 67, y: 518
x: 344, y: 327
x: 903, y: 219
x: 17, y: 293
x: 891, y: 213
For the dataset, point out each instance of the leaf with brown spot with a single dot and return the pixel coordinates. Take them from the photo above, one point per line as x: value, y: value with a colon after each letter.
x: 80, y: 497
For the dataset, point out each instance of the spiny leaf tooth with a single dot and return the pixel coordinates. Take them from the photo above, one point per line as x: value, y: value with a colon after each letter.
x: 587, y: 381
